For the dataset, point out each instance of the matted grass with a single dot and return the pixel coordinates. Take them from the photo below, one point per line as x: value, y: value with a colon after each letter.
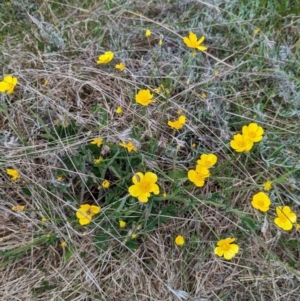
x: 63, y: 100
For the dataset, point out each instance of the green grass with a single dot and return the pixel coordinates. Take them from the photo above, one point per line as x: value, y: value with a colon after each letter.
x: 46, y: 132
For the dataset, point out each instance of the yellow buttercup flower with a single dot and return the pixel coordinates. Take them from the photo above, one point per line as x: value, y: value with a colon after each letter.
x: 267, y: 185
x: 122, y: 224
x: 203, y: 95
x: 144, y: 97
x: 226, y: 248
x: 13, y: 173
x: 129, y: 145
x: 285, y: 218
x: 86, y: 212
x: 133, y: 236
x: 240, y: 143
x: 105, y: 184
x: 143, y: 186
x: 198, y: 175
x: 119, y: 110
x: 63, y: 244
x: 7, y: 85
x: 43, y: 219
x: 120, y: 66
x: 193, y: 42
x: 97, y: 141
x: 148, y: 33
x: 207, y: 160
x: 261, y: 201
x: 99, y: 160
x: 105, y: 58
x: 179, y: 240
x: 256, y: 31
x: 253, y: 132
x: 177, y: 124
x: 18, y: 208
x: 59, y: 178
x: 194, y: 145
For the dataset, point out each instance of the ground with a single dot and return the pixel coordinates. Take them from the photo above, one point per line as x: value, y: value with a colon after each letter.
x: 63, y: 123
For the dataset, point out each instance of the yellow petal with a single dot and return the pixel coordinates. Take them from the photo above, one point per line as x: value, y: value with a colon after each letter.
x: 84, y: 221
x: 200, y: 41
x: 143, y: 197
x: 150, y: 176
x: 95, y: 209
x: 134, y: 190
x: 137, y: 178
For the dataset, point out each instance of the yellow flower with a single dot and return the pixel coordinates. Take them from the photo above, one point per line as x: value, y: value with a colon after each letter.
x: 207, y: 160
x: 160, y: 42
x: 194, y: 145
x: 164, y: 195
x: 8, y: 84
x: 198, y: 175
x: 105, y: 58
x: 267, y: 185
x: 13, y: 173
x: 129, y: 145
x: 120, y: 66
x: 105, y: 184
x: 261, y: 201
x: 133, y: 236
x: 46, y: 82
x: 179, y: 240
x: 256, y: 31
x: 43, y: 219
x: 119, y: 110
x: 99, y: 160
x: 97, y: 141
x: 122, y: 224
x: 86, y: 212
x: 226, y: 248
x: 203, y: 95
x: 253, y: 132
x: 59, y: 179
x: 240, y: 143
x: 144, y: 97
x: 63, y: 244
x: 177, y: 124
x: 285, y: 218
x: 148, y: 33
x: 192, y: 42
x: 143, y: 186
x: 18, y: 208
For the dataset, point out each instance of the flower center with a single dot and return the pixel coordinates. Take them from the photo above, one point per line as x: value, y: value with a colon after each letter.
x: 226, y: 247
x: 242, y: 143
x: 261, y: 203
x: 145, y: 187
x: 252, y: 134
x: 283, y: 218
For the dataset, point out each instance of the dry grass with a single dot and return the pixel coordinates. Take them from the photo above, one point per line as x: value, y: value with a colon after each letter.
x: 242, y: 75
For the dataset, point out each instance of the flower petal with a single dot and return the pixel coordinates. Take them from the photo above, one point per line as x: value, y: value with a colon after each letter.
x: 150, y: 177
x: 84, y: 221
x: 137, y: 178
x: 95, y: 209
x: 143, y: 197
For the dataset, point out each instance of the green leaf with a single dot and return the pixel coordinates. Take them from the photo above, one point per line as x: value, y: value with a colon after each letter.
x: 26, y: 191
x: 177, y: 174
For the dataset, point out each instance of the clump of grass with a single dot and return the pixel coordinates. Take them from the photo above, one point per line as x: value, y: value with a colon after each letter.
x: 167, y: 171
